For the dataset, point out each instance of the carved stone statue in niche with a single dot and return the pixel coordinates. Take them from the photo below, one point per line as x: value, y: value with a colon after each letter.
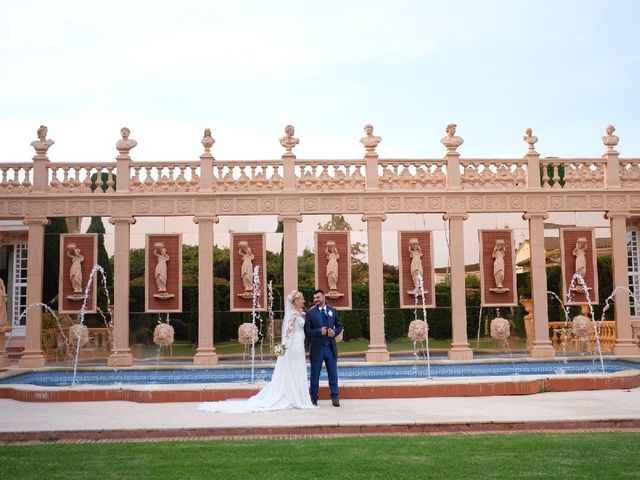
x: 289, y: 141
x: 417, y: 271
x: 498, y: 267
x: 4, y: 320
x: 333, y: 255
x: 246, y: 269
x: 580, y: 252
x: 75, y: 272
x: 162, y: 258
x: 5, y: 326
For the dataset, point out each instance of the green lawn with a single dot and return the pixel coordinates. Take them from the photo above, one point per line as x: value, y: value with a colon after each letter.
x: 353, y: 346
x: 602, y: 456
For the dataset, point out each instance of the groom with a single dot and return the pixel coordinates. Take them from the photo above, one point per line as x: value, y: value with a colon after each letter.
x: 321, y: 327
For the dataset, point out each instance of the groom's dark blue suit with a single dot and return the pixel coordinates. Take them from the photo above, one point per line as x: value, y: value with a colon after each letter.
x: 322, y: 348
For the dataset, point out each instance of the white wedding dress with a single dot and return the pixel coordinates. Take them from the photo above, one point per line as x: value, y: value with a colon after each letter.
x: 288, y: 387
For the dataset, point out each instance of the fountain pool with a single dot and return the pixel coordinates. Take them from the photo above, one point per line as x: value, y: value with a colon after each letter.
x: 357, y: 380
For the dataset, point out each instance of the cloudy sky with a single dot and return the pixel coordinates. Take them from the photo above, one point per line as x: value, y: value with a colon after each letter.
x: 168, y: 69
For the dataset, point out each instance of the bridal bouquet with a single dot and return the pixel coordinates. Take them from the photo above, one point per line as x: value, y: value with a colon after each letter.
x: 280, y: 349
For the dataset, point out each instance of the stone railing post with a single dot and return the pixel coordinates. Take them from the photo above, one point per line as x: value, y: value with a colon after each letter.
x: 123, y: 161
x: 206, y: 162
x: 612, y: 169
x: 288, y: 158
x: 41, y: 161
x: 533, y: 161
x: 452, y: 157
x: 370, y: 142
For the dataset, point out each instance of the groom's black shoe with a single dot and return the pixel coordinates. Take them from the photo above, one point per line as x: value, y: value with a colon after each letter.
x: 314, y: 401
x: 335, y: 402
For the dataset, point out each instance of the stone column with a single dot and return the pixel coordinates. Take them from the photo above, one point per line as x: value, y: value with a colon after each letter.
x: 206, y: 352
x: 377, y: 351
x: 624, y: 344
x: 459, y: 342
x: 121, y: 353
x: 542, y: 347
x: 33, y: 356
x: 290, y: 257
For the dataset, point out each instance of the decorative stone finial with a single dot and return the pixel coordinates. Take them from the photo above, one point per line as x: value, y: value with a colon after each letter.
x: 289, y: 141
x: 531, y: 139
x: 207, y: 140
x: 610, y: 140
x: 370, y: 142
x: 42, y: 144
x: 125, y: 144
x: 451, y: 141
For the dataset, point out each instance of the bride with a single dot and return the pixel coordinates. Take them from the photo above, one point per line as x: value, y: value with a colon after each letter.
x: 288, y: 387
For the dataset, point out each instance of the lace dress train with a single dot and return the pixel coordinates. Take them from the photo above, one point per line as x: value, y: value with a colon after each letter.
x: 288, y: 387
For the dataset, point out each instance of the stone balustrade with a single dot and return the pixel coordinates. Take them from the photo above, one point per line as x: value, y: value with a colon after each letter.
x: 16, y: 178
x: 563, y: 340
x: 411, y: 174
x: 571, y: 173
x: 630, y: 172
x: 158, y: 177
x: 478, y: 174
x: 330, y: 175
x: 248, y: 176
x: 81, y: 178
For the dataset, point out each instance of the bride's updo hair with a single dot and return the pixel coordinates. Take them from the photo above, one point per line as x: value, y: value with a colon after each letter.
x: 293, y: 295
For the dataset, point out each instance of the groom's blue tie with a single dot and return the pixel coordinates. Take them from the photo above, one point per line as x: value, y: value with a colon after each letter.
x: 325, y: 323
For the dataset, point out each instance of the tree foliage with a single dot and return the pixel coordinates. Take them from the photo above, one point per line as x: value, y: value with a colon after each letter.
x: 51, y: 266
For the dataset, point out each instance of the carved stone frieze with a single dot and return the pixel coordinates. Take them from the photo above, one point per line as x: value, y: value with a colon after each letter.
x: 204, y: 207
x: 288, y: 205
x: 310, y: 204
x: 375, y: 204
x: 635, y: 201
x: 36, y: 208
x: 476, y: 203
x: 162, y: 207
x: 497, y: 203
x: 143, y: 206
x: 536, y: 203
x: 578, y: 203
x: 435, y: 203
x: 78, y: 208
x: 184, y: 207
x: 226, y: 205
x: 120, y: 208
x: 268, y: 205
x: 353, y: 204
x: 100, y: 207
x: 58, y: 207
x: 618, y: 202
x: 333, y: 204
x: 15, y: 208
x: 247, y: 206
x: 456, y: 203
x: 393, y: 203
x: 516, y: 202
x: 414, y: 203
x: 596, y: 201
x: 557, y: 202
